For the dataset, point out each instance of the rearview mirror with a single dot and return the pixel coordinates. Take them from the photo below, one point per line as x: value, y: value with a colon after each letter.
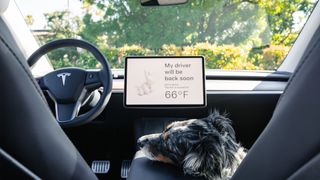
x: 161, y: 2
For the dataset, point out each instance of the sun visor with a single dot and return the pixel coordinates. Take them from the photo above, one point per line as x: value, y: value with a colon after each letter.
x: 3, y: 6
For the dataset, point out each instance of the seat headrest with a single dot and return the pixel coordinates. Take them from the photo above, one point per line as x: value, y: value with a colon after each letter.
x: 3, y: 6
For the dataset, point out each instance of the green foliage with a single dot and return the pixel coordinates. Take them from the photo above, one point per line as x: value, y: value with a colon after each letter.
x: 270, y: 58
x: 230, y: 34
x: 226, y: 57
x: 126, y: 22
x: 72, y: 57
x: 133, y: 50
x: 171, y: 50
x: 221, y: 57
x: 280, y: 14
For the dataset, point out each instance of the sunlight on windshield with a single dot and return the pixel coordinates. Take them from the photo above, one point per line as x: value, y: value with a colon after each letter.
x: 233, y: 34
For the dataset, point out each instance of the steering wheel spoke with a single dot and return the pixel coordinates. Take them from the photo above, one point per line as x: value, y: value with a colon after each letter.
x: 67, y: 112
x: 93, y: 80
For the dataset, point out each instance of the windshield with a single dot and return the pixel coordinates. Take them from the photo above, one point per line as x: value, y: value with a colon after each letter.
x: 232, y: 34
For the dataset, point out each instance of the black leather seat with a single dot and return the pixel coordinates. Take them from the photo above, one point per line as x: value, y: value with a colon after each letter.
x: 289, y: 146
x: 143, y: 168
x: 28, y: 130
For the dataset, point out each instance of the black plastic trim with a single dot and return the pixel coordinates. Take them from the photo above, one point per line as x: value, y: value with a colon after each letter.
x: 277, y: 76
x: 231, y: 75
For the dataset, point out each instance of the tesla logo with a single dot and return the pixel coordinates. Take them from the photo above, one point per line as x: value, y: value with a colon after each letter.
x: 63, y: 77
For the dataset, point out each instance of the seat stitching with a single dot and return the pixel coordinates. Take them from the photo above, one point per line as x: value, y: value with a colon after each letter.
x: 23, y: 67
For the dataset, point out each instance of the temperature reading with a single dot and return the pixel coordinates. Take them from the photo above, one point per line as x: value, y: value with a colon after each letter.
x: 176, y: 94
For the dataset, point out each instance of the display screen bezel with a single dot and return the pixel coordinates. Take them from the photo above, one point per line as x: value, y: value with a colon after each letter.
x: 163, y: 106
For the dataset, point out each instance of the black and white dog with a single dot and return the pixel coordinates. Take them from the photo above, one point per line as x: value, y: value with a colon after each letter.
x: 201, y: 147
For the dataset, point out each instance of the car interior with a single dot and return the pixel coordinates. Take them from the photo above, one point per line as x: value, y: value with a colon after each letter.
x: 274, y: 114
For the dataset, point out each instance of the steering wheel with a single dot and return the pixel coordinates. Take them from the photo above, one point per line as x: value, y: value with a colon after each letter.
x: 68, y: 87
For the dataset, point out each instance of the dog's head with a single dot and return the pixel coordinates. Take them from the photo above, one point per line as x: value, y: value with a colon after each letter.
x: 202, y: 147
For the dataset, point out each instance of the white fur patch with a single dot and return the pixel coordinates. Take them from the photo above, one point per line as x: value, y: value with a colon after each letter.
x: 227, y: 173
x: 147, y: 153
x: 192, y: 161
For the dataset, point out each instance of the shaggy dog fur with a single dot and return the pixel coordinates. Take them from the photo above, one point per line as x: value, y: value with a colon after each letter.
x: 201, y: 147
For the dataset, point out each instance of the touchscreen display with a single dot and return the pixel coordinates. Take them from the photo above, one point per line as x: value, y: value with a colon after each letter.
x: 165, y: 82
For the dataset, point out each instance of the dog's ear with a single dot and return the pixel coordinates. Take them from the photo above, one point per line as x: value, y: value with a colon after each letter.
x: 222, y: 123
x: 206, y: 158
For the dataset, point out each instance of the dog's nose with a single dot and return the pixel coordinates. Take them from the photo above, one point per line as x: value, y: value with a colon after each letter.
x: 142, y: 141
